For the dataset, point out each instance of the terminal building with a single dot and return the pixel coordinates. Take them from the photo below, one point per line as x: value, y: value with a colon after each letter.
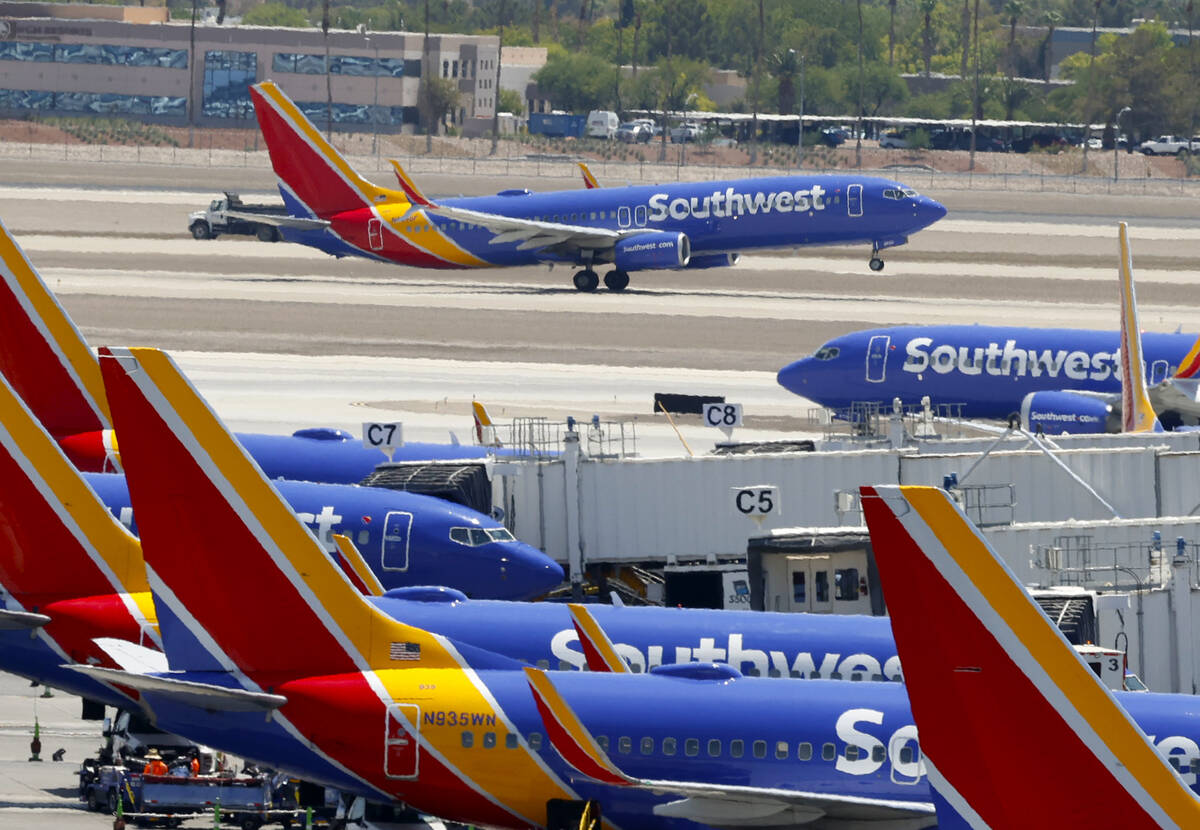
x: 64, y: 60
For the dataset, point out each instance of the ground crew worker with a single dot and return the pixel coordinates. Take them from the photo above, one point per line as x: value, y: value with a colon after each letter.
x: 154, y: 764
x: 195, y: 764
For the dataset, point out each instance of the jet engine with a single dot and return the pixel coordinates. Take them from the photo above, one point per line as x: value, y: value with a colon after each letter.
x: 653, y: 249
x: 1055, y: 413
x: 714, y: 261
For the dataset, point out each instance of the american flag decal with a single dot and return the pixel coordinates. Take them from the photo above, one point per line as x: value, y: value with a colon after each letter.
x: 405, y: 651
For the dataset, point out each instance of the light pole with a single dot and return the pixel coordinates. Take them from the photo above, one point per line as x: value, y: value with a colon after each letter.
x: 368, y: 43
x: 1116, y: 142
x: 800, y: 137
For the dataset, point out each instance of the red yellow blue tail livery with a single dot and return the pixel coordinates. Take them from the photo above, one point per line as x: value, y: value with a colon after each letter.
x: 987, y: 663
x: 1137, y: 412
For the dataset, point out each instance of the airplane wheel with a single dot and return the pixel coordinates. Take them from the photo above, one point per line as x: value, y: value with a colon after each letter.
x: 586, y: 280
x: 876, y: 264
x: 616, y: 280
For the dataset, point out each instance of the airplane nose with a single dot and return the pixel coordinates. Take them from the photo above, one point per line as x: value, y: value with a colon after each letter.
x: 793, y: 377
x: 529, y: 572
x: 930, y: 210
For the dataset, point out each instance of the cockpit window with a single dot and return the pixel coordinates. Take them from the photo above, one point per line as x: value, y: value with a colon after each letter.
x: 827, y: 353
x: 473, y: 537
x: 891, y: 194
x: 910, y: 193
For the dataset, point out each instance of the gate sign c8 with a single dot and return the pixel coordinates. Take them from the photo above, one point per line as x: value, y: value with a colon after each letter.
x: 722, y: 415
x: 756, y: 501
x: 383, y: 436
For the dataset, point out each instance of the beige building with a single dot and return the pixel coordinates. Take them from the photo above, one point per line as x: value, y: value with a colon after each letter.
x: 59, y: 59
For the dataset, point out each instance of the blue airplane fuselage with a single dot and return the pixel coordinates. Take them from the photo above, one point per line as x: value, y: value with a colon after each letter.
x: 988, y: 370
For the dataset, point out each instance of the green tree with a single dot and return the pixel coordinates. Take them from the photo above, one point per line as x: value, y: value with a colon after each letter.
x: 577, y: 81
x: 441, y: 96
x: 275, y: 14
x: 511, y: 101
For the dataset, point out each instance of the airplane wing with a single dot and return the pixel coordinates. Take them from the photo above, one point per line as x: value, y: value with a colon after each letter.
x: 21, y: 620
x: 298, y: 222
x: 718, y: 805
x: 531, y: 234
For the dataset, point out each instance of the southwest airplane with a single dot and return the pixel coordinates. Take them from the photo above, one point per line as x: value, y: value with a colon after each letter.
x: 988, y: 670
x: 362, y: 702
x: 685, y: 225
x: 46, y: 359
x: 1058, y: 380
x: 71, y: 572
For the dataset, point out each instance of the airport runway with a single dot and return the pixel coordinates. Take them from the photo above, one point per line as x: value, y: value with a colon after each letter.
x: 281, y: 336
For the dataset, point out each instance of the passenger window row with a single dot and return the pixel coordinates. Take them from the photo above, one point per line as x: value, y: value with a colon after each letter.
x: 751, y: 671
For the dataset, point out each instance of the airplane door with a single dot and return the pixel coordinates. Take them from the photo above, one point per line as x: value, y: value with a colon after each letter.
x: 401, y: 748
x: 639, y: 216
x: 904, y: 755
x: 854, y: 205
x: 877, y: 351
x: 811, y: 578
x: 623, y: 216
x: 1158, y: 372
x: 375, y: 234
x: 397, y: 531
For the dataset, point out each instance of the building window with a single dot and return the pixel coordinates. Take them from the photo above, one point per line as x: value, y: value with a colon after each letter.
x: 106, y: 103
x: 303, y: 64
x: 227, y: 79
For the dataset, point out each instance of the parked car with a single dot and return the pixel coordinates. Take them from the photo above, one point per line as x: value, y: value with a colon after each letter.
x: 687, y: 131
x: 1169, y: 145
x: 633, y: 132
x: 835, y: 136
x: 895, y: 140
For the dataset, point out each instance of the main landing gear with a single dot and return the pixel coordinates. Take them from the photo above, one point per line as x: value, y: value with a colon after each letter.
x: 588, y: 280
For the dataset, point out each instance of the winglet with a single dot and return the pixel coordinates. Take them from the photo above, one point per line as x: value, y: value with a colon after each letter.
x: 1137, y: 413
x: 568, y: 734
x: 981, y: 659
x: 356, y: 568
x: 42, y: 353
x: 589, y: 181
x: 409, y: 187
x: 600, y: 652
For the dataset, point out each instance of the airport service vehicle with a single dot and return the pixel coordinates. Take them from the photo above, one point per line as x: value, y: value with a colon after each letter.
x: 232, y: 215
x: 1056, y: 380
x: 45, y: 358
x: 602, y: 124
x: 675, y: 226
x: 385, y: 710
x: 1169, y: 145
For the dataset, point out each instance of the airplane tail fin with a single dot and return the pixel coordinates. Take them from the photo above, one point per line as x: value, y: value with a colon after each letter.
x: 58, y: 539
x: 589, y: 181
x: 1137, y: 413
x: 238, y: 581
x: 356, y: 567
x: 599, y: 651
x: 308, y: 165
x: 485, y: 430
x: 42, y: 353
x: 981, y: 659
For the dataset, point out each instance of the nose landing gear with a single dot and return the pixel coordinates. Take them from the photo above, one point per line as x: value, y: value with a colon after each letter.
x: 876, y: 262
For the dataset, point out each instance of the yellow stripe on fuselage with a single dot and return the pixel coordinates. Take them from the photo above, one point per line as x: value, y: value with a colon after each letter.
x: 58, y: 326
x: 1073, y: 679
x: 416, y: 229
x: 510, y: 776
x: 144, y: 601
x: 119, y: 551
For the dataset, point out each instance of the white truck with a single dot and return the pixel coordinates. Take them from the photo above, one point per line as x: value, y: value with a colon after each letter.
x: 1170, y: 145
x: 232, y: 215
x: 602, y: 124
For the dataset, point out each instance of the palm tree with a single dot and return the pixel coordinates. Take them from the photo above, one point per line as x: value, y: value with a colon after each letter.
x: 966, y: 39
x: 785, y: 66
x: 891, y: 32
x: 1014, y: 9
x: 1051, y: 18
x: 927, y: 7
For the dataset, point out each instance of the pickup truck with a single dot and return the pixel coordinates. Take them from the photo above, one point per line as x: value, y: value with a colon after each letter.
x: 1170, y: 145
x: 232, y: 215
